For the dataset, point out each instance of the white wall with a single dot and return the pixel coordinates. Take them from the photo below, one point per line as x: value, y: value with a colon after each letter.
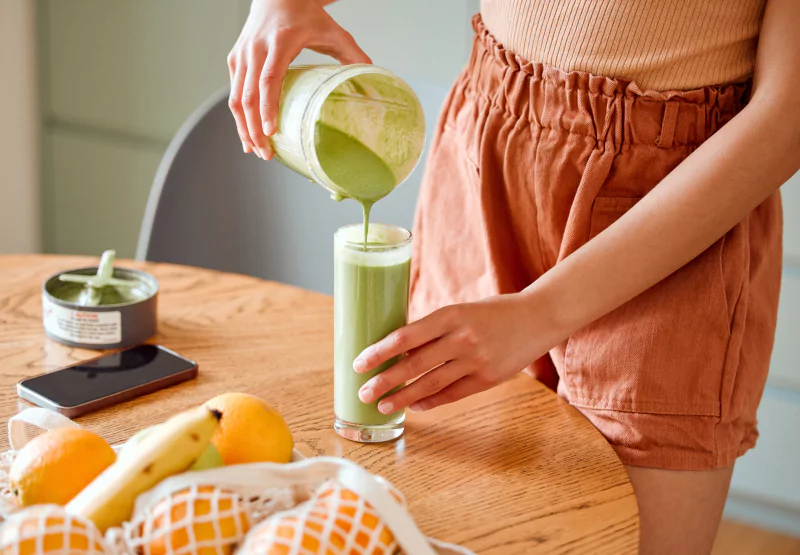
x: 421, y: 38
x: 20, y: 220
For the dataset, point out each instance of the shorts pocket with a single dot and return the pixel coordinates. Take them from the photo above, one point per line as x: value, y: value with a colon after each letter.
x: 607, y: 210
x: 662, y: 352
x: 466, y: 124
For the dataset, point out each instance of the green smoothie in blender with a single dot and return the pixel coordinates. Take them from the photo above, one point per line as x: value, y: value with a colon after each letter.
x: 344, y: 159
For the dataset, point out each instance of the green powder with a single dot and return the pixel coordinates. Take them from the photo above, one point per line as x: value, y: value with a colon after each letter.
x: 354, y: 168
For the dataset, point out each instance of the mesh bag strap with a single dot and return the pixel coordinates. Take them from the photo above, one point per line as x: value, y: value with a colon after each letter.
x: 444, y: 548
x: 37, y: 417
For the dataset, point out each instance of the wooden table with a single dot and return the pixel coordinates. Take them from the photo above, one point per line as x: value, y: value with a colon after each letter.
x: 514, y: 470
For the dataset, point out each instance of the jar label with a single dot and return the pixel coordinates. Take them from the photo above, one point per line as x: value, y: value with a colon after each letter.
x: 92, y: 328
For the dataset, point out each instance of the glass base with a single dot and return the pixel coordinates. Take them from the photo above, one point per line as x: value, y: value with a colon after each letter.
x: 365, y: 433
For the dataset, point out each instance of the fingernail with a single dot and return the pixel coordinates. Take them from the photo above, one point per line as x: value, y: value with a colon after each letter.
x: 244, y: 147
x: 416, y: 407
x: 267, y: 127
x: 386, y: 407
x: 359, y: 365
x: 365, y: 394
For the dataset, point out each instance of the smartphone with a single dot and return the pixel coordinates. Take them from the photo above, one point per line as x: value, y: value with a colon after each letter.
x: 107, y: 380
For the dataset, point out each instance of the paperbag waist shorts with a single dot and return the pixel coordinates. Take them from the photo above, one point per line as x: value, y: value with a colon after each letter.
x: 528, y: 164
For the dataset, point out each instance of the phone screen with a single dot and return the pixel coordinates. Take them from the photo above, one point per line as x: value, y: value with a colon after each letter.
x: 101, y: 377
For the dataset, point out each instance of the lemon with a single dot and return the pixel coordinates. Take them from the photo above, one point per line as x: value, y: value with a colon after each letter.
x: 57, y: 465
x: 250, y: 430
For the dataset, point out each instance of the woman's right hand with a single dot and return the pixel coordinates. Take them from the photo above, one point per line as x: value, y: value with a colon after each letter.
x: 274, y: 34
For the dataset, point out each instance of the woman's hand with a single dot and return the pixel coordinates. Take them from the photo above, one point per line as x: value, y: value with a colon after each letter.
x: 274, y: 34
x: 458, y: 350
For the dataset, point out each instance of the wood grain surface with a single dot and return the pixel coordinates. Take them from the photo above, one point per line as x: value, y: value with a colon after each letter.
x: 514, y: 470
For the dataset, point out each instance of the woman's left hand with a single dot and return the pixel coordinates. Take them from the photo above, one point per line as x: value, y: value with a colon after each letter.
x: 456, y: 351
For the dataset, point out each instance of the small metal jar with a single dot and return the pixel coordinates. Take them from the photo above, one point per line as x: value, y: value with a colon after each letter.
x: 121, y: 315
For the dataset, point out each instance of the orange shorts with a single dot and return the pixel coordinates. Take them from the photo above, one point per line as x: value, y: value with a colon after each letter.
x: 528, y: 164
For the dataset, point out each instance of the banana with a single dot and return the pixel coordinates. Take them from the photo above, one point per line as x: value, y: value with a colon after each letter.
x: 169, y: 449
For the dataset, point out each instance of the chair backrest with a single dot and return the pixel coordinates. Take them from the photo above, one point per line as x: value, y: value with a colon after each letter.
x: 213, y: 206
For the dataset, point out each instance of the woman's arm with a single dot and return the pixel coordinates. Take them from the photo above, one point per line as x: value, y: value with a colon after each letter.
x: 704, y: 197
x: 696, y: 204
x: 273, y: 35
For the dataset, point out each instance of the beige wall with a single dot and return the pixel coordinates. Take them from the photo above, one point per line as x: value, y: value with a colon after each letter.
x: 419, y: 38
x: 20, y: 220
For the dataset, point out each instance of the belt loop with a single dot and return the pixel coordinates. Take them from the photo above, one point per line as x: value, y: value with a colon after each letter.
x: 664, y: 140
x: 628, y: 134
x: 701, y: 123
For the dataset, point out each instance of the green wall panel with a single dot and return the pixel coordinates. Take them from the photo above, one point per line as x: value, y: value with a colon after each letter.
x: 99, y: 189
x: 135, y: 66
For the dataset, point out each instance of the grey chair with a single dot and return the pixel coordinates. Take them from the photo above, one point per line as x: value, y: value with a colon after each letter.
x: 215, y: 207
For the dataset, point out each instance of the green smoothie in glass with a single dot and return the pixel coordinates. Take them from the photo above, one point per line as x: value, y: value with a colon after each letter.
x: 371, y: 283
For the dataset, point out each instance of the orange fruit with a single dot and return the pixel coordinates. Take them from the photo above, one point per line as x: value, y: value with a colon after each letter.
x: 215, y: 519
x: 57, y: 465
x: 59, y: 532
x: 250, y: 430
x: 337, y: 521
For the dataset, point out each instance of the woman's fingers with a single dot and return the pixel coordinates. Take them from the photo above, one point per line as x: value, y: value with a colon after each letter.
x: 270, y: 83
x: 402, y: 340
x: 346, y: 50
x: 251, y: 103
x: 274, y: 33
x: 239, y: 69
x: 429, y: 384
x: 464, y: 387
x: 420, y: 361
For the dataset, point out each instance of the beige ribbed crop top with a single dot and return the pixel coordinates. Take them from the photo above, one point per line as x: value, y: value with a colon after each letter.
x: 660, y: 44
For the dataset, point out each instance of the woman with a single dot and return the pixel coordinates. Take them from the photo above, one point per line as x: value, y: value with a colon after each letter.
x: 617, y: 163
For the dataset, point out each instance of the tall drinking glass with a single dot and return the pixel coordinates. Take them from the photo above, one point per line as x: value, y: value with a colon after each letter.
x: 370, y: 301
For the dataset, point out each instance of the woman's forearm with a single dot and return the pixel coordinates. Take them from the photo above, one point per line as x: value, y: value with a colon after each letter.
x: 695, y: 205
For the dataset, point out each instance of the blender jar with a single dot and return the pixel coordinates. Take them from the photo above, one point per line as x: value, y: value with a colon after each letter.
x: 362, y: 104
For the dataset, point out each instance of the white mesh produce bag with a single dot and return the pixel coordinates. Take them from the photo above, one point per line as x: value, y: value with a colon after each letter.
x: 196, y: 520
x: 49, y: 530
x: 318, y: 506
x: 337, y: 520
